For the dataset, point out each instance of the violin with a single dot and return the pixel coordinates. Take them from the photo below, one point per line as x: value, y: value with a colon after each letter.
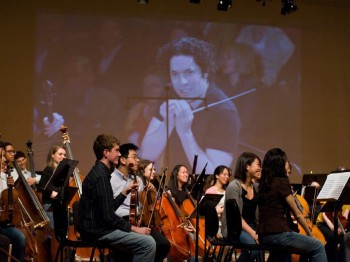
x: 150, y: 207
x: 133, y: 204
x: 11, y: 214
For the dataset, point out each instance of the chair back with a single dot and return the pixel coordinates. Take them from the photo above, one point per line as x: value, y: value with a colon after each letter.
x: 211, y: 219
x: 234, y: 220
x: 60, y: 219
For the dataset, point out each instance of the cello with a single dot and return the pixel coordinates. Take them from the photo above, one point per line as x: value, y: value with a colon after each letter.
x: 190, y: 206
x: 173, y: 222
x: 303, y: 206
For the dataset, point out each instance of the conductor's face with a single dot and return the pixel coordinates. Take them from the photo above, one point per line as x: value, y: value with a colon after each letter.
x: 187, y: 78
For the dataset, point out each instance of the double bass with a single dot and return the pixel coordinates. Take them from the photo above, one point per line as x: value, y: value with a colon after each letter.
x: 35, y: 221
x: 83, y: 253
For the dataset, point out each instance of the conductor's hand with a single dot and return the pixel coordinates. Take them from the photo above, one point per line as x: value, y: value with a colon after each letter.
x: 141, y: 230
x: 50, y: 128
x: 183, y: 117
x: 163, y: 110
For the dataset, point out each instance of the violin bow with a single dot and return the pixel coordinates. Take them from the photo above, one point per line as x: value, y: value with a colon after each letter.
x: 144, y: 200
x: 155, y: 200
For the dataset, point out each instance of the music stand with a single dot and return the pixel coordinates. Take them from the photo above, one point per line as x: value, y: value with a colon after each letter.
x: 197, y: 186
x: 335, y: 205
x: 309, y: 178
x: 215, y: 198
x: 60, y: 179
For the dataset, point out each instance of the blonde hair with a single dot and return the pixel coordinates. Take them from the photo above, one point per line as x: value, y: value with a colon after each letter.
x: 49, y: 160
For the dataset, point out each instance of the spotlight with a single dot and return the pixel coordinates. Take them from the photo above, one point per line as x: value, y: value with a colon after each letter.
x: 195, y: 1
x: 288, y: 6
x: 224, y: 5
x: 142, y: 1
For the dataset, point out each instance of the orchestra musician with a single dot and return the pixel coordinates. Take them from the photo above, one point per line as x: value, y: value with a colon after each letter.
x: 21, y: 160
x: 15, y: 236
x: 97, y: 206
x: 325, y: 222
x: 9, y: 153
x: 245, y: 192
x: 55, y: 155
x: 275, y: 203
x: 220, y: 181
x: 178, y: 191
x: 123, y: 175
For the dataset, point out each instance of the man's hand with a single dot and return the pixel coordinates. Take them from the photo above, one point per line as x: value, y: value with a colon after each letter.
x: 50, y: 128
x: 141, y: 230
x: 31, y: 180
x: 132, y: 185
x: 183, y: 117
x: 10, y: 181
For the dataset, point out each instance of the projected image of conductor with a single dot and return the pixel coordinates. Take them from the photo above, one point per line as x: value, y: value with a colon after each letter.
x: 211, y: 132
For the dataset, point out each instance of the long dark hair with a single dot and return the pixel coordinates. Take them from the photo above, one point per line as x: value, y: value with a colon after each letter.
x: 274, y: 165
x: 218, y: 170
x: 173, y: 181
x: 244, y: 160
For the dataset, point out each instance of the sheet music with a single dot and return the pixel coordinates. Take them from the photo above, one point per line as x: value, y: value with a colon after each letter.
x: 334, y: 186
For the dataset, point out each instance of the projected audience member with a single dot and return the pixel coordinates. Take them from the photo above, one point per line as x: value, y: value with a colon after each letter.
x: 141, y: 113
x: 272, y: 44
x: 239, y: 69
x: 21, y: 160
x: 50, y: 37
x: 212, y: 133
x: 111, y: 56
x: 119, y: 59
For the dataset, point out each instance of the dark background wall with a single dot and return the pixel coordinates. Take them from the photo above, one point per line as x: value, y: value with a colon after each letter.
x: 325, y: 58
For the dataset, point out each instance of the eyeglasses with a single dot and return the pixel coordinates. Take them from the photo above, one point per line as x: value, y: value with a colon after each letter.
x: 134, y: 157
x: 11, y: 151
